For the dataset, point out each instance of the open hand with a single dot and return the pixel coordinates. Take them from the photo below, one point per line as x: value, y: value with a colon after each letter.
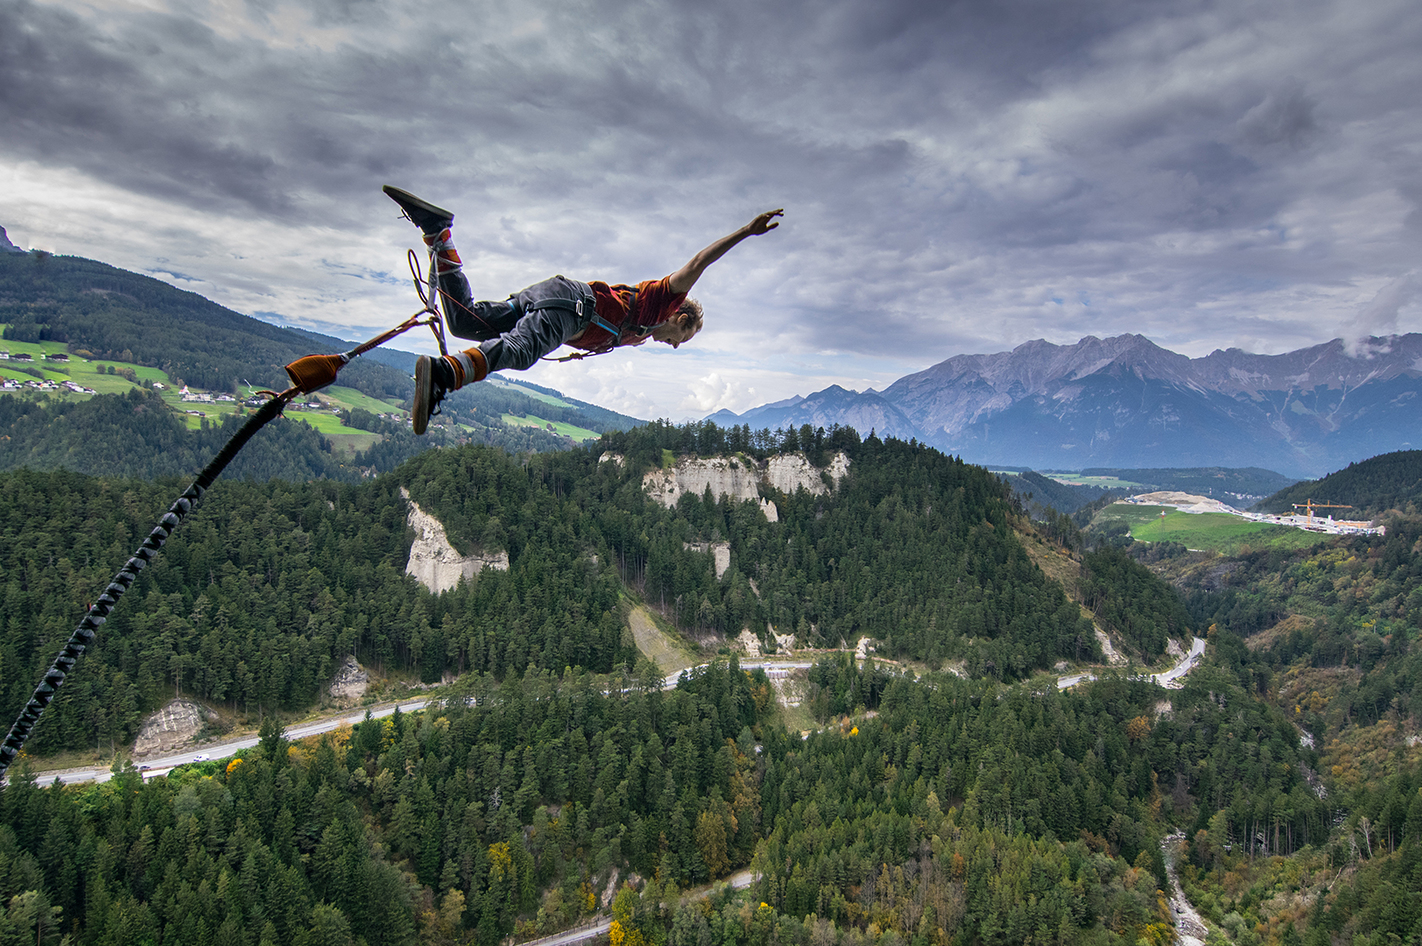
x: 762, y: 224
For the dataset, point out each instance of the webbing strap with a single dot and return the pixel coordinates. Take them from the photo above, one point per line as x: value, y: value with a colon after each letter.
x: 577, y: 308
x: 586, y: 310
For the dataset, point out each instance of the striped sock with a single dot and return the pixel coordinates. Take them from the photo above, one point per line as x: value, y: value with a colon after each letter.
x: 441, y: 246
x: 467, y: 367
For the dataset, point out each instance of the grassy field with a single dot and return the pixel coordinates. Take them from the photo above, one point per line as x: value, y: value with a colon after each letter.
x: 579, y: 434
x: 352, y: 399
x: 1076, y: 479
x: 529, y: 392
x: 1210, y: 531
x: 669, y: 654
x: 94, y: 374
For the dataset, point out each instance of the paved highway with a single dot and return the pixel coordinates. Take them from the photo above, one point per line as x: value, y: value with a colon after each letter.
x: 228, y: 748
x: 1186, y: 664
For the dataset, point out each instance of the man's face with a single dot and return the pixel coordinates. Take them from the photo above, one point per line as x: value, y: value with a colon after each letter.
x: 673, y: 333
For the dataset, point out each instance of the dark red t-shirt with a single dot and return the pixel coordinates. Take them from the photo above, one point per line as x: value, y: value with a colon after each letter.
x: 655, y: 304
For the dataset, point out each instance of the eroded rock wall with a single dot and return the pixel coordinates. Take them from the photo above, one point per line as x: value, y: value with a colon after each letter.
x: 172, y: 728
x: 350, y: 682
x: 725, y: 476
x: 788, y: 472
x: 433, y: 561
x: 740, y: 479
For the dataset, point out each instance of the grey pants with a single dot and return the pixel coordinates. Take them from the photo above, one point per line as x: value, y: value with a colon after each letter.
x: 523, y: 328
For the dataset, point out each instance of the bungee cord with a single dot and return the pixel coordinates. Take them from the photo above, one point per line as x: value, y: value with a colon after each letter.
x: 308, y: 374
x: 84, y: 634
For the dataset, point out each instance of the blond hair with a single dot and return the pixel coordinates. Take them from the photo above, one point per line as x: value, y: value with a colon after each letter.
x: 689, y: 315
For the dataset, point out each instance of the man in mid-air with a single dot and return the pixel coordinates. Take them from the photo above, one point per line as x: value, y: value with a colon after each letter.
x: 515, y: 333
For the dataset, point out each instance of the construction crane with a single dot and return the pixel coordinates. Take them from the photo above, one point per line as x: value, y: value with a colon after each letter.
x: 1310, y: 505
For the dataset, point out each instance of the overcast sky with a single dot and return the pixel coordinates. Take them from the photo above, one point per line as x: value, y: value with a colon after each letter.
x: 956, y: 177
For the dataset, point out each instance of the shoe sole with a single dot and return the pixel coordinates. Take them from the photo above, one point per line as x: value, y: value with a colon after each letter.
x: 406, y: 199
x: 424, y: 391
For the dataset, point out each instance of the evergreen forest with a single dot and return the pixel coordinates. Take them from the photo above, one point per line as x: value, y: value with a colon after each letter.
x: 1387, y: 484
x: 948, y: 793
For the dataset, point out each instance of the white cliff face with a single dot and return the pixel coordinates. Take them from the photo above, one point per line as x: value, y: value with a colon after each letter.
x: 171, y: 729
x: 791, y: 471
x: 726, y: 476
x: 720, y: 553
x: 433, y: 561
x: 741, y: 479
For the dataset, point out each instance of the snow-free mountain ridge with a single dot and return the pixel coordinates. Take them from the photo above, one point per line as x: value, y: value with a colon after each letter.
x: 1127, y: 402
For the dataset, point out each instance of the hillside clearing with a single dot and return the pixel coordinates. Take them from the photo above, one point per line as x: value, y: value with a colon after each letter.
x: 656, y: 645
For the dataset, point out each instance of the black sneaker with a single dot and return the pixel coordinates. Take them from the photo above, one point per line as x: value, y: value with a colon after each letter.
x: 428, y: 393
x: 420, y: 212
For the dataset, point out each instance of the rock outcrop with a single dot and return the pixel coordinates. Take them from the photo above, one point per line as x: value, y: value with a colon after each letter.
x: 791, y: 471
x: 720, y: 553
x: 5, y: 245
x: 350, y: 682
x: 171, y: 729
x: 725, y: 476
x: 433, y: 561
x: 740, y: 479
x: 748, y: 642
x: 754, y: 647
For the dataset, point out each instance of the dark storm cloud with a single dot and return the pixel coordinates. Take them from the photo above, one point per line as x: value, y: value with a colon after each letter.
x: 118, y: 109
x: 958, y: 176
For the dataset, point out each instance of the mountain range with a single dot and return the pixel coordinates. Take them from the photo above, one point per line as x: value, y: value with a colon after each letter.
x: 1127, y: 402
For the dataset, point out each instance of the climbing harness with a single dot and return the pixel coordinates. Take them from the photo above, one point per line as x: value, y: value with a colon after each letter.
x: 618, y: 332
x: 307, y: 374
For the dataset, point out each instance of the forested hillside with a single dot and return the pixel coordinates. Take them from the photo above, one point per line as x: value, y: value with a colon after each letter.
x: 270, y: 585
x: 965, y: 812
x: 101, y: 311
x: 872, y: 559
x: 1328, y: 636
x: 137, y: 435
x: 1039, y: 493
x: 514, y: 804
x: 979, y: 806
x: 1390, y: 483
x: 1227, y: 484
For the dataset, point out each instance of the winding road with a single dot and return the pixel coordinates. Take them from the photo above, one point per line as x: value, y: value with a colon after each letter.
x: 227, y: 748
x: 1165, y: 679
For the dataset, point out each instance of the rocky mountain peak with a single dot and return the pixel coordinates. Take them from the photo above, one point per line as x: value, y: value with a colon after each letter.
x: 1125, y: 401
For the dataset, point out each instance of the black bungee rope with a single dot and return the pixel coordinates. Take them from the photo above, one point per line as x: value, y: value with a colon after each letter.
x: 307, y: 374
x: 99, y: 611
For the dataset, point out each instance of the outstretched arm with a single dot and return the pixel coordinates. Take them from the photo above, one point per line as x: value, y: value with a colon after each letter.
x: 683, y: 279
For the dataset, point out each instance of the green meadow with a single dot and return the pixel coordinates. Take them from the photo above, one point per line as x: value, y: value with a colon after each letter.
x: 579, y: 434
x: 1209, y: 531
x: 95, y: 374
x: 1109, y: 482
